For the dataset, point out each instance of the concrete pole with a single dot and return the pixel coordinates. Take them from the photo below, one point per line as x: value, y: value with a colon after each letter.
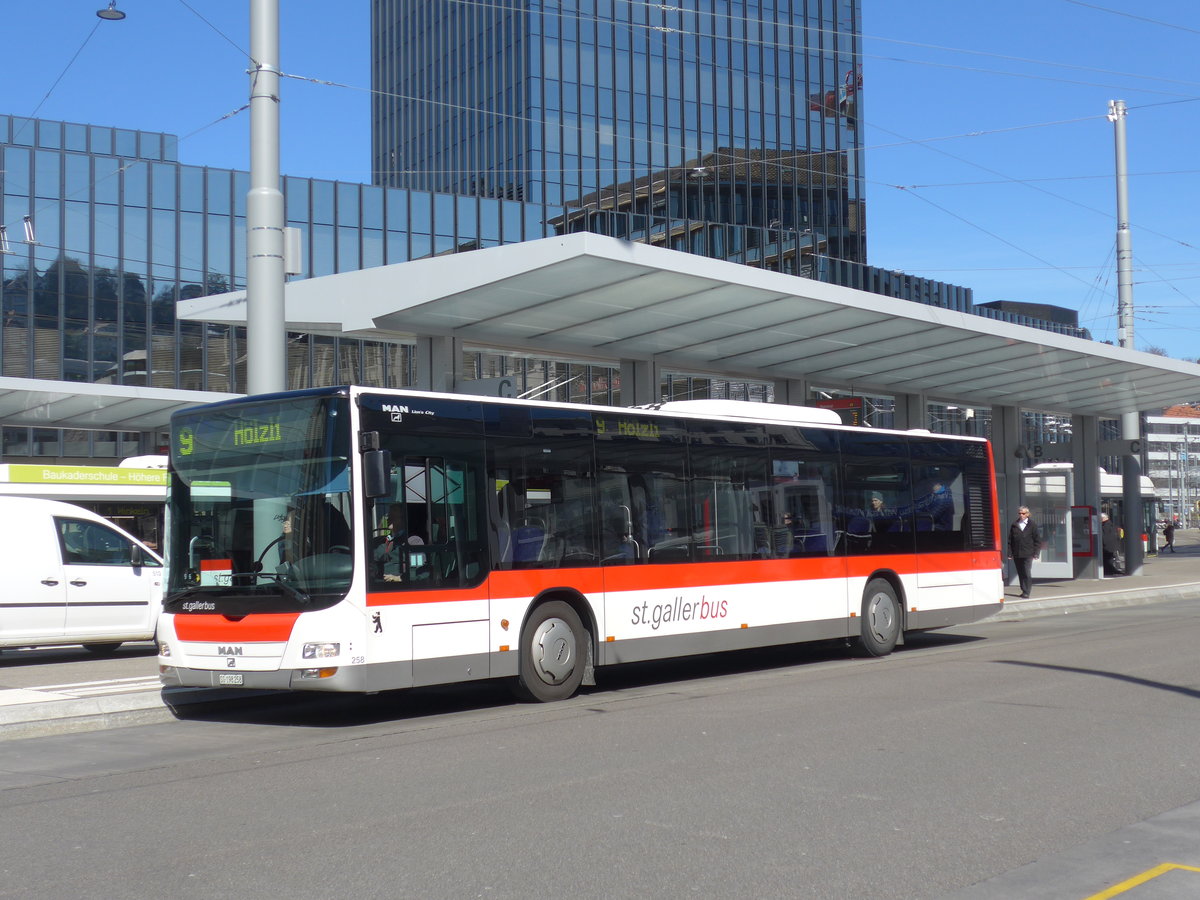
x: 266, y: 334
x: 1131, y: 465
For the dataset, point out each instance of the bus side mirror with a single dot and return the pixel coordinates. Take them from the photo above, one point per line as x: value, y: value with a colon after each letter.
x: 377, y: 473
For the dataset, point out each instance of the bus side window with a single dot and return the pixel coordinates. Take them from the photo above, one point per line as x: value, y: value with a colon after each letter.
x: 802, y: 492
x: 433, y: 534
x: 617, y: 546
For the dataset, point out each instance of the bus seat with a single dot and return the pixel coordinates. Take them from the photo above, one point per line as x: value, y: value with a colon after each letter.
x: 781, y: 537
x: 858, y: 532
x: 527, y: 543
x: 671, y: 553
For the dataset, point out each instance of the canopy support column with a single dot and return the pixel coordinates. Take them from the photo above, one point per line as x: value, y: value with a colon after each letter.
x: 791, y: 391
x: 641, y: 382
x: 438, y: 359
x: 912, y: 411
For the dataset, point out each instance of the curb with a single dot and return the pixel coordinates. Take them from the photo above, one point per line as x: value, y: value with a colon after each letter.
x: 28, y: 720
x: 1019, y: 610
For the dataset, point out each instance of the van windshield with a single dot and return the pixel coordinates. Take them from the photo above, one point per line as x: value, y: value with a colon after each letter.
x: 259, y: 516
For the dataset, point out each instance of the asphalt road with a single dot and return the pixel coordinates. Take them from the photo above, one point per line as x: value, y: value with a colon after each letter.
x: 795, y: 772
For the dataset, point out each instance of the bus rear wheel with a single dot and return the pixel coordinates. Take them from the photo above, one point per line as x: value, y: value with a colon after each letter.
x: 880, y: 618
x: 553, y: 653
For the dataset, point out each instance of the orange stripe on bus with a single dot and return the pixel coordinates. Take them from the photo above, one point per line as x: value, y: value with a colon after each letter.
x: 402, y: 598
x: 675, y: 576
x: 254, y: 627
x: 528, y: 582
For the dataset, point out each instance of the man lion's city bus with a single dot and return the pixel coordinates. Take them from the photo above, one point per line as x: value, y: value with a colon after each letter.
x: 356, y: 539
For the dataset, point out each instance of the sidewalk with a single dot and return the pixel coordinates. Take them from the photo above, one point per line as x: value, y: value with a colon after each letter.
x: 1167, y: 576
x: 95, y: 705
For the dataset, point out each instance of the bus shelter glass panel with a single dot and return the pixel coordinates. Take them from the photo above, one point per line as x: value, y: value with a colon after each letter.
x: 1048, y: 496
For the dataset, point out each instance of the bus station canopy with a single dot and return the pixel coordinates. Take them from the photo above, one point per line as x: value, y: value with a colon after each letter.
x: 104, y: 407
x: 593, y: 297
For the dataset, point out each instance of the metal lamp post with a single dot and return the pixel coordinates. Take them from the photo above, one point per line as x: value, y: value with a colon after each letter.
x: 266, y: 334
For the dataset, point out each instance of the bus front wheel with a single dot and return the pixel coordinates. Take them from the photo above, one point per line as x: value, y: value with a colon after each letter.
x: 880, y: 618
x: 553, y: 653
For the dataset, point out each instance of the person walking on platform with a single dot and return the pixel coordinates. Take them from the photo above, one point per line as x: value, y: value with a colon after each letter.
x: 1169, y: 536
x: 1024, y: 546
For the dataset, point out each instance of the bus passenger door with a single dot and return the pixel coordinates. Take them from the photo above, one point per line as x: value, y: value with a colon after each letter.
x: 429, y: 537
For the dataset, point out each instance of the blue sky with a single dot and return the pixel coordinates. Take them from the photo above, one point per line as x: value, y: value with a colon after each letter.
x: 989, y: 162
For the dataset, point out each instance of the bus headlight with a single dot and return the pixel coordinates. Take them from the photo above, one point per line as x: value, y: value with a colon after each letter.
x: 164, y: 649
x: 324, y: 650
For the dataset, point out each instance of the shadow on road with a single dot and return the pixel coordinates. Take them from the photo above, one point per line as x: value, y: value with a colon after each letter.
x: 12, y: 657
x: 1117, y: 676
x: 318, y: 710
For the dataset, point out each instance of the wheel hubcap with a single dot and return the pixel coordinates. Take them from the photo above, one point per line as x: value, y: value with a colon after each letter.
x: 882, y: 614
x: 554, y: 651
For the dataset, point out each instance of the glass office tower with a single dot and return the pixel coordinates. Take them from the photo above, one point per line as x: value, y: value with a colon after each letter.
x: 729, y: 129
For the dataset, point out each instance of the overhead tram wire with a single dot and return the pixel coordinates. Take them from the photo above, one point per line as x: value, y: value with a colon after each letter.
x: 995, y: 236
x: 1128, y: 15
x: 952, y: 184
x: 766, y: 23
x: 530, y: 120
x: 686, y: 52
x: 718, y: 165
x: 1036, y: 187
x: 242, y: 50
x: 60, y: 77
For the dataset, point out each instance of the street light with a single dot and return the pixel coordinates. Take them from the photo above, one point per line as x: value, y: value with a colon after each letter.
x: 111, y: 12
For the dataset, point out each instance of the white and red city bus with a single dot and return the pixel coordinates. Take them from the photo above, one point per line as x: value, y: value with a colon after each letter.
x: 359, y: 539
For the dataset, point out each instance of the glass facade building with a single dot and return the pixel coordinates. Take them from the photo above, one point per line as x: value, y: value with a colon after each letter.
x: 728, y: 130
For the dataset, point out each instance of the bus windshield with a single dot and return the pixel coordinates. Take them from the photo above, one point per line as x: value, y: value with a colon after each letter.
x: 259, y: 506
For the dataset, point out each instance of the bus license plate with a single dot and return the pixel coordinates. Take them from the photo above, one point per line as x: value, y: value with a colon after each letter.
x: 229, y: 679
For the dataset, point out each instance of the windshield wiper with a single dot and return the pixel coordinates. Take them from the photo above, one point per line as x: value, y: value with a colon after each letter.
x: 224, y: 590
x: 294, y: 591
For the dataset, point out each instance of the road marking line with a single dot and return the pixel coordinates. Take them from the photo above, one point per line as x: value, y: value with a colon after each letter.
x: 1137, y: 880
x: 47, y: 692
x: 114, y: 689
x: 83, y: 685
x: 17, y: 696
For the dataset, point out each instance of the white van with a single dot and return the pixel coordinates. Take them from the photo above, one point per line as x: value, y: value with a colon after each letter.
x: 69, y: 576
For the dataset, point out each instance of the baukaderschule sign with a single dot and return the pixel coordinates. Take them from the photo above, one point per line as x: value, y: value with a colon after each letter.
x: 111, y: 475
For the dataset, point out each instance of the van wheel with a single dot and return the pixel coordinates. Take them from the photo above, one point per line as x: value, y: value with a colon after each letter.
x: 553, y: 653
x: 102, y: 649
x: 880, y: 618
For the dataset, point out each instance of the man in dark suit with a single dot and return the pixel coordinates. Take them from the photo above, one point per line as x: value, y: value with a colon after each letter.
x: 1024, y: 545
